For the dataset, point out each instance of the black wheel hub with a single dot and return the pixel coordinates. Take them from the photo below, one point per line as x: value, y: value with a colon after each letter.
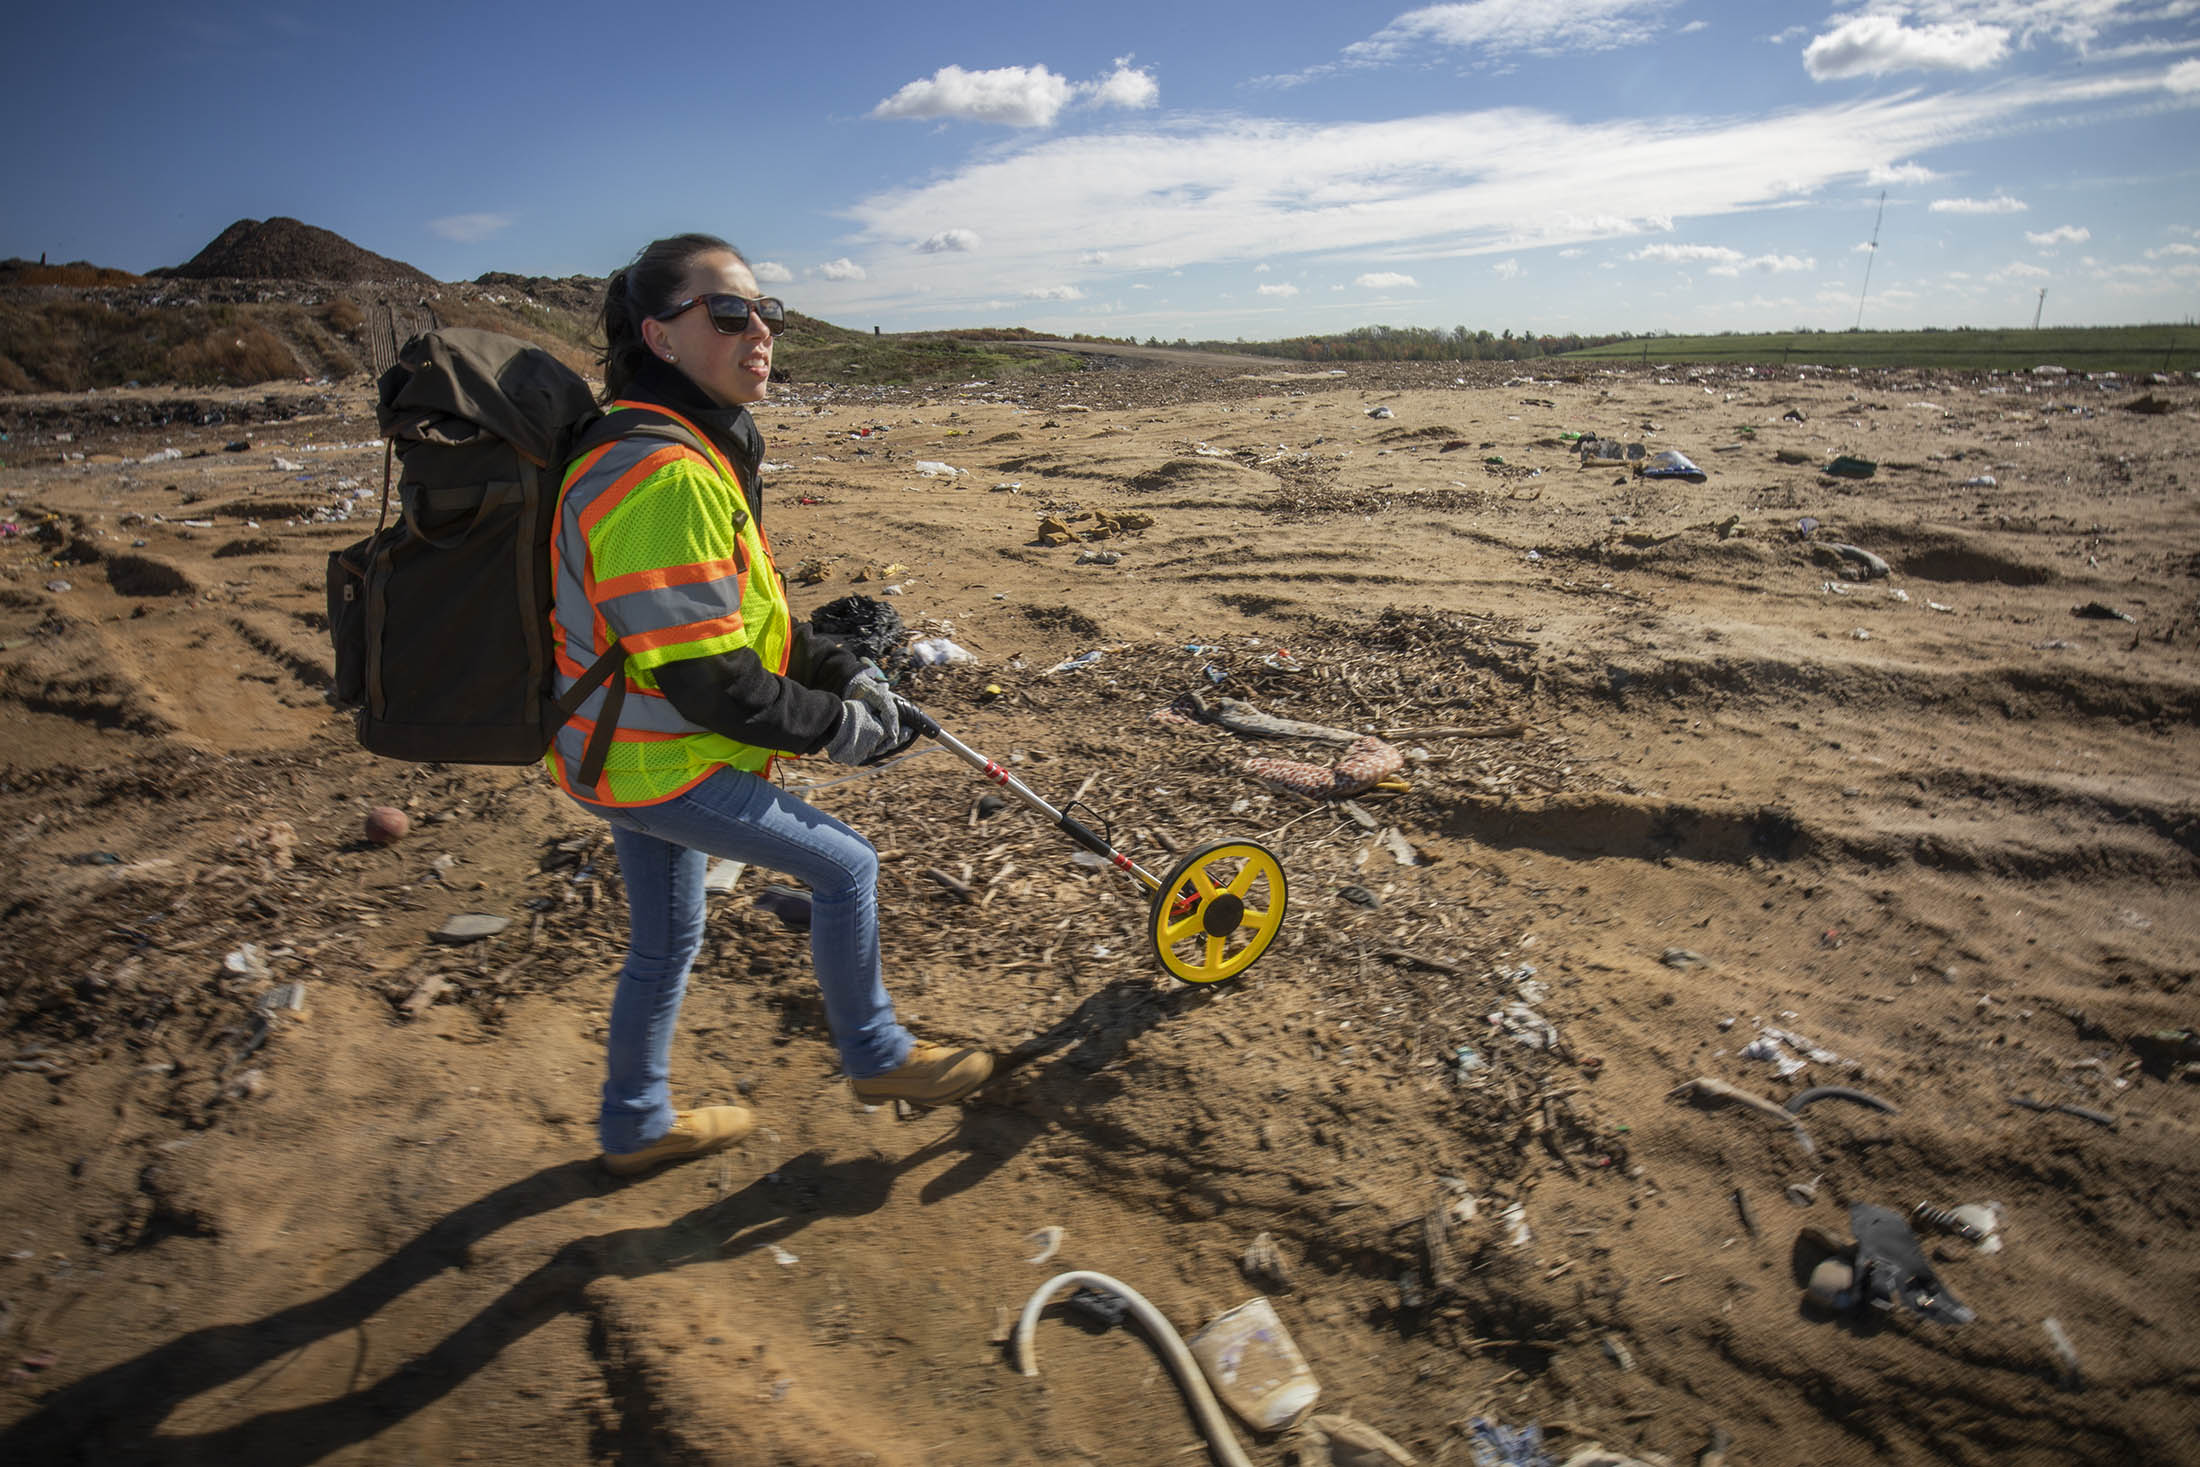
x: 1224, y: 915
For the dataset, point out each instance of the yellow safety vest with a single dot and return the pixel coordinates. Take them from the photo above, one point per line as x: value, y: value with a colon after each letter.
x: 656, y: 546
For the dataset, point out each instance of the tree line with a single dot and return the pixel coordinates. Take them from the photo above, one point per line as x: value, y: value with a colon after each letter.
x: 1410, y: 344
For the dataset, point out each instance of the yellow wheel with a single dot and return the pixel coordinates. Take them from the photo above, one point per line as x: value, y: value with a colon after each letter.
x: 1218, y: 911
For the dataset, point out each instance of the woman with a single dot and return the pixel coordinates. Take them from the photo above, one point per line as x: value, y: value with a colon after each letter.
x: 664, y: 549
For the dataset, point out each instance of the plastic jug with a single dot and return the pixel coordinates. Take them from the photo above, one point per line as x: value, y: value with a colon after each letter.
x: 1254, y: 1367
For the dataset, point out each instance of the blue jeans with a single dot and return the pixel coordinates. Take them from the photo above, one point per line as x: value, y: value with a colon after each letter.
x: 662, y: 851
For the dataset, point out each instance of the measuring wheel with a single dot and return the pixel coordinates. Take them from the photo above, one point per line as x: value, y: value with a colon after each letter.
x: 1218, y: 911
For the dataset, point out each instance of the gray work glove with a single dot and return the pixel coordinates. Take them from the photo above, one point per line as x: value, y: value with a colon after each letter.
x: 868, y: 687
x: 859, y: 736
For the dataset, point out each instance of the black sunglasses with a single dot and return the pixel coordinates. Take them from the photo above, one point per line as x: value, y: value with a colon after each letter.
x: 729, y: 314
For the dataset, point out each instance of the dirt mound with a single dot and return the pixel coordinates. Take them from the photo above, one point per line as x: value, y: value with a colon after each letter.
x: 76, y: 272
x: 285, y: 249
x: 581, y: 294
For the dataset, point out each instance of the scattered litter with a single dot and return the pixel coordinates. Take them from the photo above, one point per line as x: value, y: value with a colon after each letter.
x: 1255, y: 1367
x: 1381, y: 412
x: 1817, y: 1093
x: 284, y: 998
x: 1670, y: 463
x: 934, y: 469
x: 781, y: 1256
x: 1098, y: 557
x: 1360, y: 896
x: 722, y: 873
x: 1265, y: 1265
x: 1158, y: 1330
x: 1682, y: 958
x: 1526, y: 1026
x: 470, y: 927
x: 247, y: 961
x: 1492, y: 1445
x: 1860, y: 635
x: 1891, y: 1268
x: 2083, y: 1113
x: 1803, y: 1194
x: 286, y: 466
x: 1341, y: 1441
x: 1983, y: 481
x: 939, y: 652
x: 1874, y: 568
x: 59, y: 585
x: 1467, y: 1060
x: 2101, y: 611
x: 791, y: 907
x: 1847, y: 466
x: 162, y: 456
x: 1939, y: 607
x: 1716, y: 1089
x: 2066, y: 1354
x: 1071, y: 664
x: 1048, y: 1240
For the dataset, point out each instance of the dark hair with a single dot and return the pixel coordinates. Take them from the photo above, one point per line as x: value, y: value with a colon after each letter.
x: 651, y: 283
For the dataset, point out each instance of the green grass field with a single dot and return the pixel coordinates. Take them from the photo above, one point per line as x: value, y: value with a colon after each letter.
x: 2126, y: 349
x: 818, y: 351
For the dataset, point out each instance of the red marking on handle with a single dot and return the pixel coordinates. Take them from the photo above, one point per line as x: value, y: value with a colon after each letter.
x: 1123, y: 864
x: 995, y: 773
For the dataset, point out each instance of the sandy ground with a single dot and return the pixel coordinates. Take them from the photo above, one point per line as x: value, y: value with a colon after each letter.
x: 1937, y: 825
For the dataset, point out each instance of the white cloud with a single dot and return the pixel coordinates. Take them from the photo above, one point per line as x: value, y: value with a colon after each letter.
x: 1886, y: 173
x: 1692, y: 27
x: 1572, y: 254
x: 1123, y: 87
x: 770, y: 272
x: 1493, y: 182
x: 1261, y: 268
x: 2183, y: 77
x: 1014, y: 96
x: 470, y: 228
x: 1682, y: 254
x: 1384, y: 280
x: 843, y: 269
x: 1862, y: 247
x: 2019, y: 270
x: 1506, y: 269
x: 1498, y: 27
x: 2173, y: 249
x: 1093, y: 257
x: 949, y: 241
x: 1873, y: 45
x: 1055, y: 293
x: 2061, y: 234
x: 1998, y: 204
x: 1280, y: 288
x: 1765, y: 265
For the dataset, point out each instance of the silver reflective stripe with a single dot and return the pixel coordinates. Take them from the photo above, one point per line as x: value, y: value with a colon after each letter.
x: 672, y: 606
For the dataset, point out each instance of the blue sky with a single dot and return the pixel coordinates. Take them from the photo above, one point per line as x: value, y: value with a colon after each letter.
x: 1206, y: 170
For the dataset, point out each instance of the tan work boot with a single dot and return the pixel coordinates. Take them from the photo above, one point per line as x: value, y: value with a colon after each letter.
x: 694, y: 1133
x: 932, y: 1075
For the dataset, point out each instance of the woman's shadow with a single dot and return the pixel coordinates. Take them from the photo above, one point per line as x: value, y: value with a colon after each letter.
x: 115, y: 1415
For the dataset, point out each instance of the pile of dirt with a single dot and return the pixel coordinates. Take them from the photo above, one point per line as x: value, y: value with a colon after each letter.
x: 580, y: 294
x: 285, y: 249
x: 75, y: 273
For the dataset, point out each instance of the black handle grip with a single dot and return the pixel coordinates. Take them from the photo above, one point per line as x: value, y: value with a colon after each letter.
x: 914, y: 717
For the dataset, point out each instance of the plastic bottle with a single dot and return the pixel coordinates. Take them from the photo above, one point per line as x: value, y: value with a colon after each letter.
x: 1255, y: 1367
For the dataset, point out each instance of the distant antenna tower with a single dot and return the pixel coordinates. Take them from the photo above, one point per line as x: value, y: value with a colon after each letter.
x: 2039, y: 308
x: 1882, y: 214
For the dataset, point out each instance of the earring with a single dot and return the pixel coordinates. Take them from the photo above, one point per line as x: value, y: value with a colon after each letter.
x: 670, y: 357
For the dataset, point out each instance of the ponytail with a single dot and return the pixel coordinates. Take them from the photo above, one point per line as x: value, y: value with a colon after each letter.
x: 631, y: 296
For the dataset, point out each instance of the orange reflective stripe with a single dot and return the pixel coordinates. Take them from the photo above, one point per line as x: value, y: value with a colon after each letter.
x: 607, y: 501
x: 694, y: 631
x: 664, y: 578
x: 586, y: 727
